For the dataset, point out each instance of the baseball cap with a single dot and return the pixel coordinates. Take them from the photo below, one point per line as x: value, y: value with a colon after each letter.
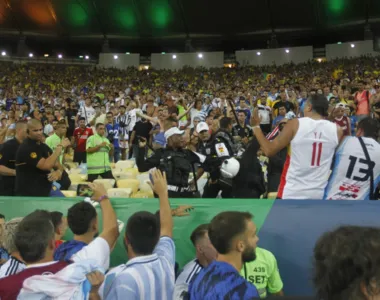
x: 173, y: 131
x: 202, y: 126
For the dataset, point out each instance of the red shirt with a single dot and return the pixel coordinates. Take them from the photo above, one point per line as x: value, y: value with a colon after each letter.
x: 81, y: 136
x: 11, y: 286
x: 58, y: 243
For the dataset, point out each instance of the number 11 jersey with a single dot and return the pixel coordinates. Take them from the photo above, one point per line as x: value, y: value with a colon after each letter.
x: 309, y: 159
x: 350, y: 178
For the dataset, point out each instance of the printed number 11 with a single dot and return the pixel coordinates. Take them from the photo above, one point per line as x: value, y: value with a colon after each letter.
x: 316, y: 155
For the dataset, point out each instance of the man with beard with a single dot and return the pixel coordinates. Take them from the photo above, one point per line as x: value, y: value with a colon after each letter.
x: 233, y: 234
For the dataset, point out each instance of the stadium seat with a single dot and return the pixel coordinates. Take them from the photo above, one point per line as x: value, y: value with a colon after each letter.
x: 124, y: 164
x: 78, y: 177
x: 75, y: 171
x: 272, y: 195
x: 108, y: 183
x: 69, y: 194
x: 145, y: 187
x: 119, y: 193
x: 129, y: 183
x: 72, y: 165
x: 143, y: 194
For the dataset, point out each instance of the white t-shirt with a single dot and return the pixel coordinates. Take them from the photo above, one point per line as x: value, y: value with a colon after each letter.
x: 87, y: 112
x: 98, y: 250
x: 264, y: 113
x: 196, y: 113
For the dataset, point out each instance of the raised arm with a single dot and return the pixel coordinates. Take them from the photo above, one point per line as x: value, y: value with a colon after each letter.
x: 160, y: 187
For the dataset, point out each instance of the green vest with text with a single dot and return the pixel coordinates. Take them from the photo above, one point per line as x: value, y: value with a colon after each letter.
x: 98, y: 162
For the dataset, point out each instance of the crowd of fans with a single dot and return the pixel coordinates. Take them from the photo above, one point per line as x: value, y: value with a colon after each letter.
x: 190, y: 121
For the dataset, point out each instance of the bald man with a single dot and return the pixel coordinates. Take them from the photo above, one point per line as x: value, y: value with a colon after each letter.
x: 8, y: 158
x: 37, y: 166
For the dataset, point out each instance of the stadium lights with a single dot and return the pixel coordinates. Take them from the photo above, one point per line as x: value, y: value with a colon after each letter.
x: 80, y: 56
x: 352, y: 45
x: 86, y: 57
x: 127, y: 53
x: 59, y: 56
x: 339, y: 43
x: 46, y: 55
x: 163, y: 52
x: 200, y: 55
x: 146, y: 67
x: 319, y: 60
x: 258, y: 53
x: 174, y: 56
x: 115, y: 57
x: 30, y: 54
x: 3, y: 53
x: 287, y: 50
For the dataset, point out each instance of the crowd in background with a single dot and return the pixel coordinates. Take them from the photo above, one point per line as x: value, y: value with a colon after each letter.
x: 137, y: 105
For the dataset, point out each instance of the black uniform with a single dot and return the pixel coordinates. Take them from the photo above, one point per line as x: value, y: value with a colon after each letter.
x: 220, y: 146
x: 31, y: 181
x: 243, y: 132
x: 177, y: 164
x: 8, y: 158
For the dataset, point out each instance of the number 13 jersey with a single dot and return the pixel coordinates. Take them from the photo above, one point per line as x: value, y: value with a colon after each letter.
x: 350, y: 178
x: 309, y: 159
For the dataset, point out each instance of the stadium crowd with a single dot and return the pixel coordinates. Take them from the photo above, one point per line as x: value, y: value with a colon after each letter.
x: 247, y: 128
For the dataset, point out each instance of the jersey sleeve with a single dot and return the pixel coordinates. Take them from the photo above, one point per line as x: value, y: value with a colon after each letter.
x: 275, y: 283
x: 166, y: 248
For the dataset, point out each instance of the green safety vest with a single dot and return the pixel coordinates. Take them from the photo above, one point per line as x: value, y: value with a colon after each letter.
x: 53, y: 141
x: 98, y: 162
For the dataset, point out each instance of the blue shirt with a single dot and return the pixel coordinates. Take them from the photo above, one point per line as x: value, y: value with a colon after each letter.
x: 113, y: 134
x: 143, y: 277
x: 220, y: 280
x: 353, y: 120
x: 277, y: 120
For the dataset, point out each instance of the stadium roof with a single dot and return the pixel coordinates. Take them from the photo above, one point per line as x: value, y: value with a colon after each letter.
x: 147, y: 26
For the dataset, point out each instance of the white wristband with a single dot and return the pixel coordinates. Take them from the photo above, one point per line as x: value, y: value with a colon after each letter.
x: 257, y: 126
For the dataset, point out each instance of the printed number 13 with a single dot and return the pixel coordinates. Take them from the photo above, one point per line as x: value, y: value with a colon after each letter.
x: 316, y: 155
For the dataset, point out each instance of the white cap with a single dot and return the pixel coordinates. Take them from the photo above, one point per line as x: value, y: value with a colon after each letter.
x: 202, y: 126
x: 172, y: 131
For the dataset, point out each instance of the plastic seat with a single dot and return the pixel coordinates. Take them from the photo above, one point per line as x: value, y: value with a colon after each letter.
x: 119, y: 193
x: 78, y: 177
x: 143, y: 194
x: 145, y: 187
x: 75, y: 171
x: 69, y: 194
x: 272, y: 195
x: 124, y: 164
x: 72, y: 165
x: 129, y: 183
x: 108, y: 183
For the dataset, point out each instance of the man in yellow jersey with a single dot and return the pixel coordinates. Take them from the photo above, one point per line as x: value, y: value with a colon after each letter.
x: 263, y: 273
x: 98, y: 148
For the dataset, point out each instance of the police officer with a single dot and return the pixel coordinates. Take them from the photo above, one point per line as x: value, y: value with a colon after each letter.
x: 222, y: 146
x: 7, y: 160
x: 175, y: 160
x: 36, y: 165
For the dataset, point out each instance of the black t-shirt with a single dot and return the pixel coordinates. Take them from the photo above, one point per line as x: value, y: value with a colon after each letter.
x: 8, y: 158
x: 31, y: 181
x: 245, y: 131
x: 71, y: 114
x: 142, y: 129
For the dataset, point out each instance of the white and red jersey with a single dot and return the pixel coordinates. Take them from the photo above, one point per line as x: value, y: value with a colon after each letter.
x: 350, y: 178
x: 309, y: 159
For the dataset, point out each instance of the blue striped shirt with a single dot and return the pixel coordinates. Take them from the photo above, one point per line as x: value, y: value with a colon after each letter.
x: 146, y: 277
x: 221, y: 280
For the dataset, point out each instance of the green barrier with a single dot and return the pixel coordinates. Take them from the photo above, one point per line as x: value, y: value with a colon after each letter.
x: 205, y: 210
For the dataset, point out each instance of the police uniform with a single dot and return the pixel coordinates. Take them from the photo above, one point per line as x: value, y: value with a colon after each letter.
x: 220, y: 147
x: 30, y: 180
x: 8, y: 159
x: 177, y: 164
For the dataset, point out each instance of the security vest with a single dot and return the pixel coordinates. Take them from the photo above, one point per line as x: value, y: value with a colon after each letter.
x: 98, y: 162
x: 177, y: 167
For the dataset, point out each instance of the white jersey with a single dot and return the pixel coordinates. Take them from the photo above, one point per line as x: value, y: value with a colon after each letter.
x: 309, y: 159
x: 350, y: 178
x: 184, y: 279
x: 11, y: 267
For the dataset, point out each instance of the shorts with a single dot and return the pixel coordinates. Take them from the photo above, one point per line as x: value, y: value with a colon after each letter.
x: 80, y: 157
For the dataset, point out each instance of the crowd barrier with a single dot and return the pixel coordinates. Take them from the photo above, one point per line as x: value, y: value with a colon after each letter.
x: 288, y: 228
